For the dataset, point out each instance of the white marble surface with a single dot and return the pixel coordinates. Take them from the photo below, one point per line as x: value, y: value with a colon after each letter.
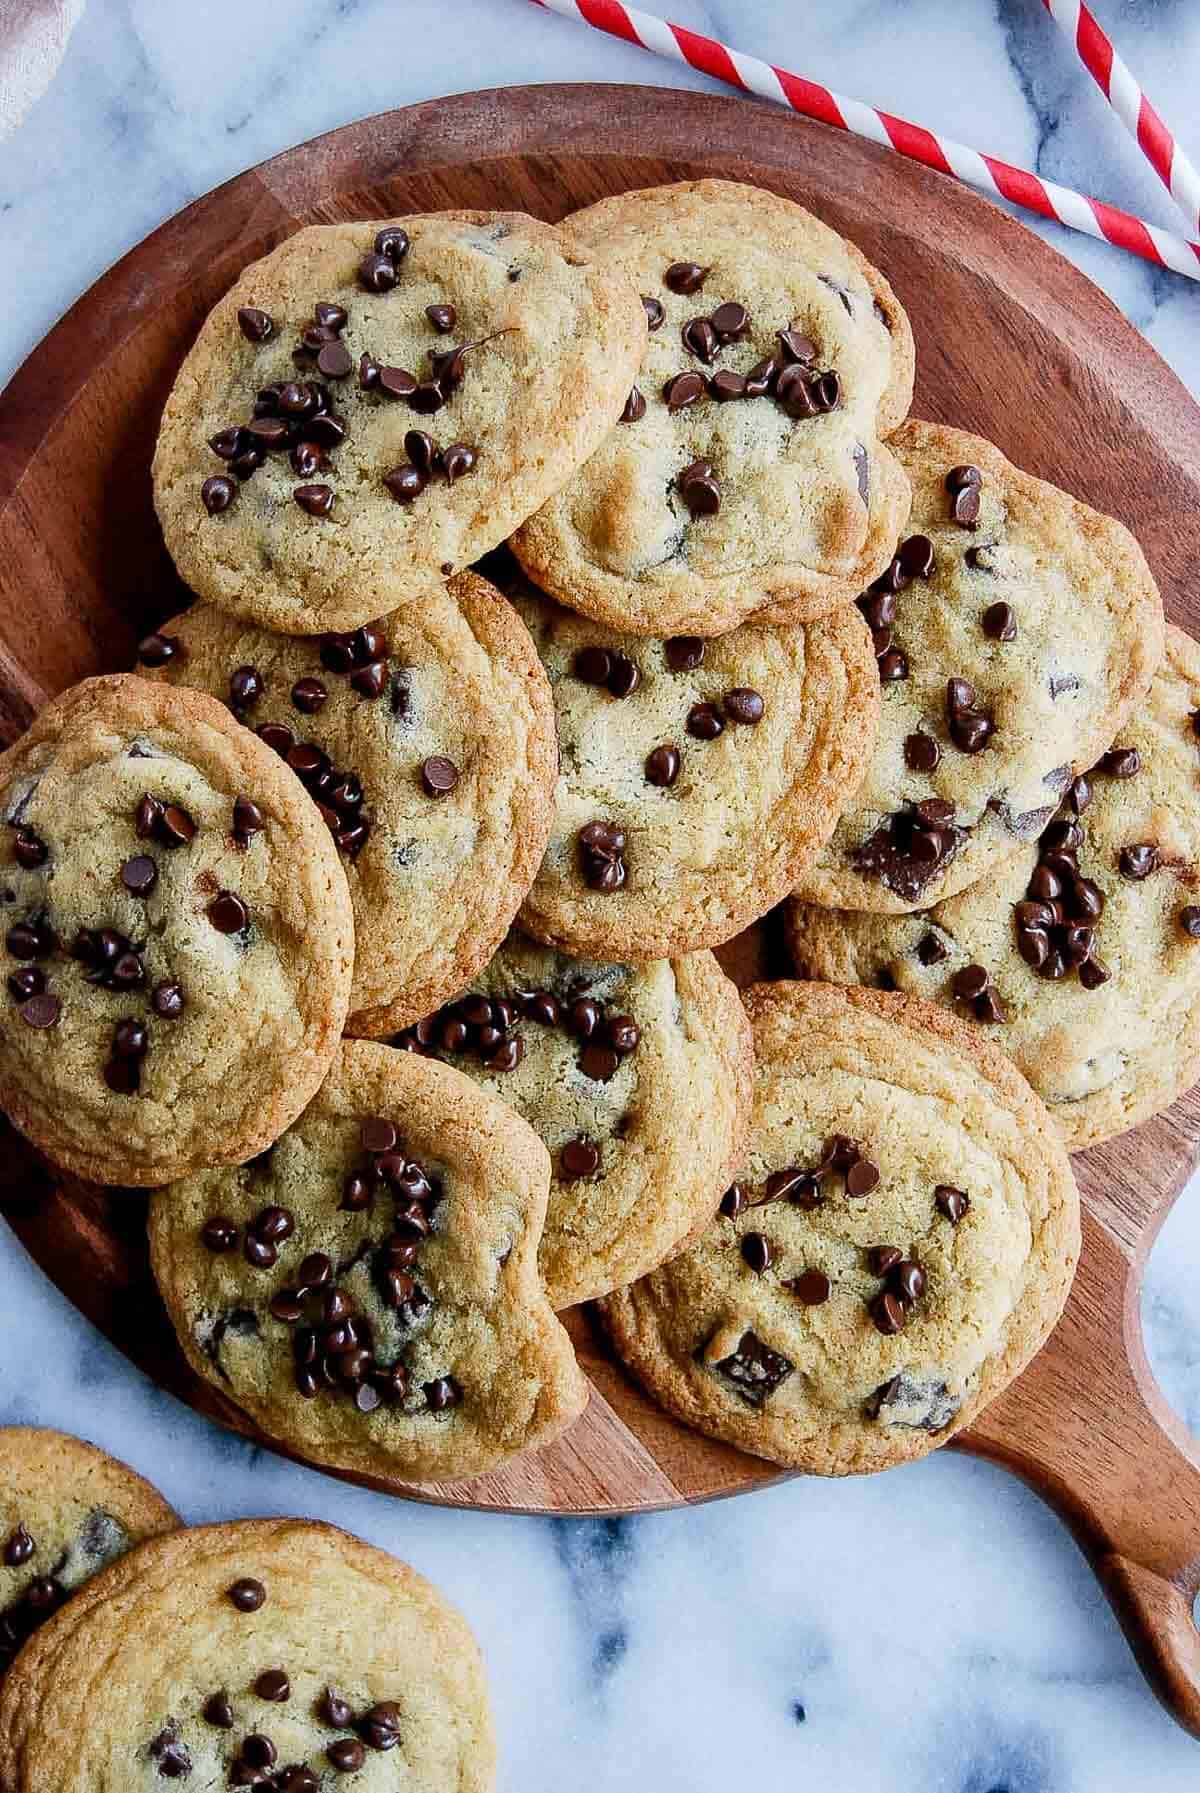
x: 935, y: 1628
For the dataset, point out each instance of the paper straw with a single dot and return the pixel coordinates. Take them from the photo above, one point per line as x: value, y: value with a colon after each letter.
x: 1127, y: 99
x: 1091, y: 216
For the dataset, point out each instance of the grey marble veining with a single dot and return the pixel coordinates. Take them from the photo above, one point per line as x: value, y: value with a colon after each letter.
x: 934, y: 1628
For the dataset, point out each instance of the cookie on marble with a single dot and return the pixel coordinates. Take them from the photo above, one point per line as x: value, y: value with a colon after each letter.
x: 1016, y: 630
x: 898, y: 1245
x: 748, y: 476
x: 428, y: 739
x: 178, y: 935
x: 373, y: 406
x: 274, y: 1653
x: 697, y: 779
x: 1081, y: 955
x: 66, y: 1511
x: 637, y: 1080
x: 368, y: 1292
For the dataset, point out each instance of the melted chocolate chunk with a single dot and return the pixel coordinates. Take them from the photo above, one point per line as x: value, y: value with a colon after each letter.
x: 754, y: 1370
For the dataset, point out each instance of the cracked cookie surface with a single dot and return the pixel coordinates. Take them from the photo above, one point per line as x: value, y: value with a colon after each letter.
x: 709, y: 505
x: 1111, y: 1038
x: 555, y: 342
x: 435, y: 730
x: 721, y: 765
x: 1013, y: 643
x: 635, y: 1078
x: 368, y: 1293
x: 900, y: 1241
x: 270, y: 1652
x: 178, y: 935
x: 67, y: 1510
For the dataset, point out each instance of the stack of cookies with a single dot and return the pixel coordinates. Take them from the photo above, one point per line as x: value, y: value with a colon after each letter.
x: 567, y: 600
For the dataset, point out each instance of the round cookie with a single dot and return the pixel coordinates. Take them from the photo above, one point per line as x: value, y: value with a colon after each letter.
x: 748, y: 477
x: 387, y: 402
x: 178, y: 935
x: 437, y: 726
x: 1106, y: 1041
x: 277, y: 1653
x: 696, y: 778
x: 635, y: 1078
x: 66, y: 1511
x: 1016, y: 630
x: 899, y: 1244
x: 368, y: 1293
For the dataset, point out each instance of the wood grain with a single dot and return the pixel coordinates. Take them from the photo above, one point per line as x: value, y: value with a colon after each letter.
x: 1012, y: 342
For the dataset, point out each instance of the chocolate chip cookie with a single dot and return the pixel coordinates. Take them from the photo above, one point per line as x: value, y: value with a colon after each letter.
x: 748, y: 475
x: 1081, y: 955
x: 66, y: 1511
x: 637, y: 1080
x: 898, y: 1245
x: 696, y: 778
x: 178, y: 935
x: 1015, y: 631
x: 273, y: 1653
x: 427, y: 739
x: 368, y: 1292
x: 373, y: 406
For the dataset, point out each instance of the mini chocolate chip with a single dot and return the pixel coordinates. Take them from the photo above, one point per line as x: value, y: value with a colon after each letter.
x: 1137, y: 862
x: 219, y: 1233
x: 308, y: 695
x: 683, y: 653
x: 662, y: 766
x: 507, y: 1055
x: 439, y: 775
x: 743, y: 705
x: 624, y: 1034
x: 704, y: 722
x: 248, y: 820
x: 684, y: 277
x: 130, y: 1039
x: 1120, y: 762
x: 682, y: 390
x: 317, y: 500
x: 634, y: 408
x: 247, y: 1594
x: 958, y: 477
x: 578, y: 1158
x: 255, y: 325
x: 756, y: 1252
x: 999, y: 622
x: 217, y: 494
x: 908, y: 1280
x: 811, y: 1287
x: 227, y: 913
x: 273, y: 1684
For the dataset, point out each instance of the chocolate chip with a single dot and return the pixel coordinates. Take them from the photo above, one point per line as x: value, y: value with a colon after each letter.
x: 273, y: 1684
x: 623, y: 675
x: 730, y: 321
x: 334, y: 361
x: 684, y: 277
x: 258, y: 1751
x: 662, y: 766
x: 601, y: 847
x: 130, y: 1040
x: 439, y: 775
x: 682, y: 390
x: 921, y: 752
x: 1120, y: 762
x: 743, y: 705
x: 598, y: 1062
x: 1189, y: 921
x: 247, y: 1594
x: 308, y: 695
x: 392, y: 241
x: 951, y: 1202
x: 260, y: 1254
x: 347, y: 1755
x: 458, y: 458
x: 908, y: 1280
x: 795, y: 346
x: 369, y: 682
x: 219, y: 1234
x: 583, y: 1018
x: 248, y: 820
x: 756, y: 1252
x: 405, y: 483
x: 1137, y: 862
x: 228, y: 913
x: 964, y: 506
x: 888, y: 1314
x: 317, y: 500
x: 274, y: 1223
x: 624, y: 1034
x: 755, y: 1370
x: 255, y: 325
x: 861, y: 1177
x: 726, y: 385
x: 29, y: 849
x: 699, y: 338
x: 159, y: 649
x: 960, y: 477
x: 19, y: 1548
x: 734, y: 1201
x: 334, y: 1710
x: 795, y: 391
x: 999, y: 622
x: 893, y: 666
x: 683, y: 653
x: 217, y: 494
x: 881, y: 1259
x: 30, y: 939
x: 1093, y: 972
x: 170, y: 1757
x: 811, y: 1287
x: 507, y: 1055
x: 26, y: 982
x: 139, y: 875
x: 378, y: 1135
x: 442, y: 317
x: 377, y: 273
x: 578, y: 1158
x: 441, y: 1393
x: 704, y: 722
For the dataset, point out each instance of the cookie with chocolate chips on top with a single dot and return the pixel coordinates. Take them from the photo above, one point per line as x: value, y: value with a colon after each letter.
x: 1015, y: 632
x: 427, y: 739
x: 272, y: 1653
x: 177, y: 933
x: 373, y: 406
x: 637, y: 1080
x: 66, y: 1511
x: 368, y: 1292
x: 1081, y: 955
x: 898, y: 1244
x: 749, y: 476
x: 697, y: 779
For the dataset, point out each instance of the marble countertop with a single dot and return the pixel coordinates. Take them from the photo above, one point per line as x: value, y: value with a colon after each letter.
x: 934, y: 1628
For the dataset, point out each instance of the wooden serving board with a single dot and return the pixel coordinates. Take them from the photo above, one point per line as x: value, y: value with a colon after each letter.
x: 1012, y: 342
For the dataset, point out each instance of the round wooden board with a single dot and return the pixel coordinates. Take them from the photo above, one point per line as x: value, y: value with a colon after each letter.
x: 1012, y: 342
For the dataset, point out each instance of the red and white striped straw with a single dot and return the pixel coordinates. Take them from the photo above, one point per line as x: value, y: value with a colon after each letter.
x: 1127, y: 99
x: 1091, y: 216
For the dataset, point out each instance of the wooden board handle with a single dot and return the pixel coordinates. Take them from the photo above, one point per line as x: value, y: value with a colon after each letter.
x: 1090, y: 1431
